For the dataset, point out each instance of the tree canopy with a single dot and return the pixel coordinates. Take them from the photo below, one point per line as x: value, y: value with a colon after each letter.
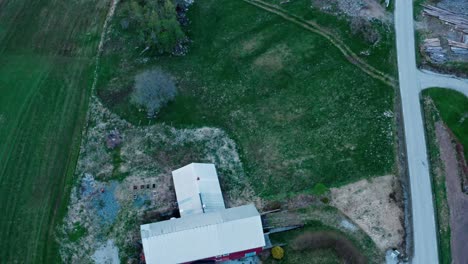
x: 153, y: 90
x: 156, y: 24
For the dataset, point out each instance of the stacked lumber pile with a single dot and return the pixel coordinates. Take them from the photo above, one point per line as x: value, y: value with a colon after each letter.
x: 458, y: 47
x: 460, y: 22
x: 432, y: 44
x: 433, y: 48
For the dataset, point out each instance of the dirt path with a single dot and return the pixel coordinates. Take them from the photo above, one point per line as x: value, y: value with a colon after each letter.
x: 457, y: 200
x: 313, y: 27
x: 109, y: 17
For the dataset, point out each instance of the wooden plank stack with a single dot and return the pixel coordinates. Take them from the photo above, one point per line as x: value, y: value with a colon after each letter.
x: 432, y: 44
x: 433, y: 48
x: 458, y: 47
x: 460, y: 22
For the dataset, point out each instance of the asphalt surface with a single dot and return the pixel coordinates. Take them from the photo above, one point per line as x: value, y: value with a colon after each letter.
x: 411, y: 82
x: 429, y: 79
x: 424, y: 227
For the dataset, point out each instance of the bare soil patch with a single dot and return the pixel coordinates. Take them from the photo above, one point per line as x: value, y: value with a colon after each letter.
x: 375, y: 205
x: 273, y: 59
x: 250, y: 45
x: 457, y: 200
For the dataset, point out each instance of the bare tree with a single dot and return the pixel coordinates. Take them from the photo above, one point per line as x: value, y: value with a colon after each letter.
x: 153, y: 90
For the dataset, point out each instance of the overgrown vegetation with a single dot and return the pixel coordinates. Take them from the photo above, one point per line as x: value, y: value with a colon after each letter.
x: 364, y: 29
x: 77, y: 232
x: 431, y: 116
x: 154, y: 24
x: 320, y: 189
x: 324, y: 240
x: 319, y: 243
x: 299, y: 111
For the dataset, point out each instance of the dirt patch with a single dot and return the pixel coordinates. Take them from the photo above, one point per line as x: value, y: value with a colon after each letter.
x: 457, y: 200
x: 250, y: 45
x: 375, y: 206
x: 273, y: 59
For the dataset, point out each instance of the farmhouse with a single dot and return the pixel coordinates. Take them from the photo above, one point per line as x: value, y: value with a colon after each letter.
x: 206, y: 230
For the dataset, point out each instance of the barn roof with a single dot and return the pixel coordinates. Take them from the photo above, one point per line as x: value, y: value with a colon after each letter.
x: 197, y: 189
x: 200, y: 236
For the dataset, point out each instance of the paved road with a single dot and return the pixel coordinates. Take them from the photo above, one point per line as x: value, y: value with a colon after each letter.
x: 424, y: 228
x: 429, y: 79
x: 412, y: 81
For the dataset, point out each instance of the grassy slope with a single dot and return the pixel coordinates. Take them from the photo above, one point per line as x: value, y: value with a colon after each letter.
x: 299, y: 111
x: 382, y: 55
x: 438, y: 185
x: 317, y: 256
x: 450, y: 107
x: 453, y: 108
x: 47, y: 52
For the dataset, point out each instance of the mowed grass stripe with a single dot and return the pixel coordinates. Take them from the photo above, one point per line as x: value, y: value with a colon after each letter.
x: 12, y: 136
x: 45, y: 82
x: 50, y: 140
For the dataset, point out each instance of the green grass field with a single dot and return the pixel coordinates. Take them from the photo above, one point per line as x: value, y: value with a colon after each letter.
x: 47, y: 51
x: 381, y: 55
x: 298, y: 110
x: 453, y: 109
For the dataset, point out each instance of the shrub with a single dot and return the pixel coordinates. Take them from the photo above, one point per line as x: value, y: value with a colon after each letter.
x: 325, y: 200
x: 364, y: 28
x: 319, y: 189
x: 277, y: 252
x: 273, y: 205
x: 153, y: 90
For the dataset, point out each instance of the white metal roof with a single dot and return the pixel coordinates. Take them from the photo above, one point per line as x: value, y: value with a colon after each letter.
x: 197, y: 189
x: 202, y: 236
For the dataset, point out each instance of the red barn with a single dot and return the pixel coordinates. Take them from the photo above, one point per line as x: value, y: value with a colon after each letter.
x: 206, y: 229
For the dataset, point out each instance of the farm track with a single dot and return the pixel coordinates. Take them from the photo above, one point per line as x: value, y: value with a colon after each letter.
x: 315, y: 28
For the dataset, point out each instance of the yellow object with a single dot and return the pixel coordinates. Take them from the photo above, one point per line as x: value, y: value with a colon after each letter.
x: 277, y: 252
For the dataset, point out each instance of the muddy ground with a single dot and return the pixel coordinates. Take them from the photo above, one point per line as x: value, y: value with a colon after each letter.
x: 457, y: 200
